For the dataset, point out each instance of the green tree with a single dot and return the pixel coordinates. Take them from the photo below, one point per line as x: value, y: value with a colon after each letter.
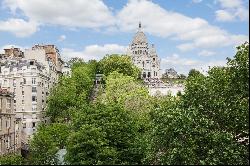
x: 194, y: 73
x: 88, y: 145
x: 104, y: 134
x: 223, y: 95
x: 185, y: 137
x: 127, y: 91
x: 46, y: 142
x: 120, y: 63
x: 74, y: 62
x: 12, y: 159
x: 71, y: 91
x: 202, y: 125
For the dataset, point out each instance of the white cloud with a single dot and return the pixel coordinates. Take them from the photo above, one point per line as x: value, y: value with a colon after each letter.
x: 196, y: 1
x: 230, y: 3
x: 175, y: 59
x: 224, y: 15
x: 184, y: 65
x: 73, y: 13
x: 19, y: 27
x: 206, y: 53
x: 232, y: 10
x: 192, y: 32
x: 61, y: 38
x: 94, y: 51
x: 195, y: 32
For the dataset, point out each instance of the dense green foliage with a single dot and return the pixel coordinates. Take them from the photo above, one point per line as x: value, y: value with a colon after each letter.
x: 122, y: 64
x: 124, y: 125
x: 202, y: 126
x: 46, y: 142
x: 104, y: 134
x: 71, y: 91
x: 11, y: 159
x: 183, y: 136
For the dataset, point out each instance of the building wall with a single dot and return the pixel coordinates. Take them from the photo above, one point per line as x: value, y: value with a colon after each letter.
x: 30, y: 79
x: 29, y: 106
x: 9, y: 126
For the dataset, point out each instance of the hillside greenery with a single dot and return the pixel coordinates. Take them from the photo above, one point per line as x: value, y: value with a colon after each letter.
x: 124, y: 125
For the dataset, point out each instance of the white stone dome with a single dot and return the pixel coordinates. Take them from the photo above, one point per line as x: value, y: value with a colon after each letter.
x: 140, y: 37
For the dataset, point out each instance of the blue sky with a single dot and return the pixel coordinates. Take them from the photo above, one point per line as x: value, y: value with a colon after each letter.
x: 187, y: 33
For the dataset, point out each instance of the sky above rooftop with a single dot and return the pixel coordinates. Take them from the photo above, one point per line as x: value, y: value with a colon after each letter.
x: 186, y: 33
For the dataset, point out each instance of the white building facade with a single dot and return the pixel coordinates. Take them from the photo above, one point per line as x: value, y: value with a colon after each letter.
x: 144, y: 55
x: 31, y: 78
x: 10, y: 126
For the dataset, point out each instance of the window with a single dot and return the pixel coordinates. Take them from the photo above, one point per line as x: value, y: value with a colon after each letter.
x: 33, y: 80
x: 14, y: 83
x: 1, y: 102
x: 33, y: 98
x: 8, y: 104
x: 8, y: 123
x: 22, y: 92
x: 33, y: 124
x: 31, y: 63
x: 33, y: 89
x: 33, y: 107
x: 22, y: 101
x: 153, y: 59
x: 8, y: 142
x: 24, y: 125
x: 24, y: 81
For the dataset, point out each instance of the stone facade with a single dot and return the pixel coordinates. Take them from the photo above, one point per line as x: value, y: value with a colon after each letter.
x: 66, y: 70
x: 31, y: 79
x: 144, y: 56
x: 12, y: 52
x: 10, y: 128
x: 171, y: 73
